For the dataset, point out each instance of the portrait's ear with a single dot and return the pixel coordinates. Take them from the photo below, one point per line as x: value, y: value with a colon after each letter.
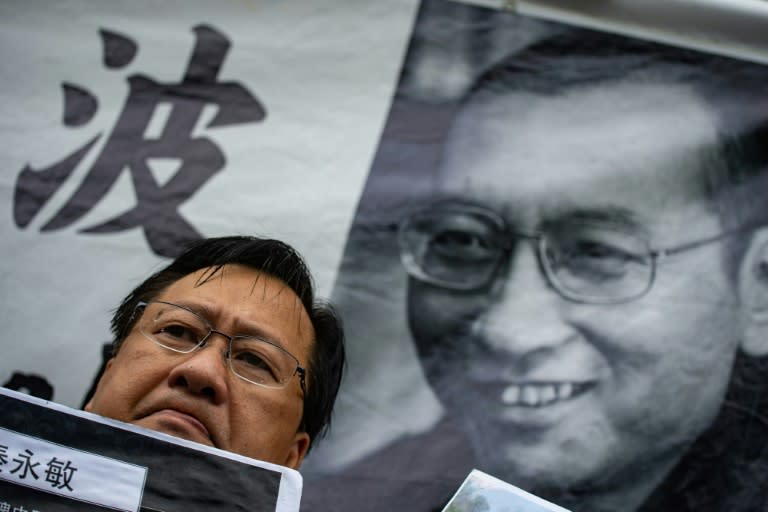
x: 753, y: 290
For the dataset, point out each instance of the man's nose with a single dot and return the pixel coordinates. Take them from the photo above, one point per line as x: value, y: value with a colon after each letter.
x: 204, y: 372
x: 524, y: 313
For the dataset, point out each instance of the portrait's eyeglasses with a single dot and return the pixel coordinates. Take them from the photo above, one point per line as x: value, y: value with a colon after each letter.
x: 253, y: 359
x: 462, y: 247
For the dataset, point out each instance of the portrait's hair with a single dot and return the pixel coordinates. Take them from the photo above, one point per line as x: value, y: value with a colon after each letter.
x: 276, y: 259
x: 728, y: 463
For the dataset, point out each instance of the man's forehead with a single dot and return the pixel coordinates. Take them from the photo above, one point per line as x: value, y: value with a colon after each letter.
x: 585, y: 145
x: 586, y: 117
x: 223, y: 276
x: 247, y: 294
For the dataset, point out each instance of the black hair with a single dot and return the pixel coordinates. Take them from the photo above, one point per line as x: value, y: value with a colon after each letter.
x: 281, y: 261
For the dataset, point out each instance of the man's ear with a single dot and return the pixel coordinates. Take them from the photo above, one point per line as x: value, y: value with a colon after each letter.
x: 753, y: 290
x: 298, y: 450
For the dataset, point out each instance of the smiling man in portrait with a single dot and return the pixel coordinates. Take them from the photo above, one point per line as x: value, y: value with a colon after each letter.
x: 590, y: 274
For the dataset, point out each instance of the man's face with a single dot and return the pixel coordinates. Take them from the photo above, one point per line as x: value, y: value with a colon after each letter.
x: 195, y: 396
x: 555, y: 392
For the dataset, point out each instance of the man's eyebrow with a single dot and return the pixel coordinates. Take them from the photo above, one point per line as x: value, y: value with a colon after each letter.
x: 195, y: 307
x: 249, y: 329
x: 610, y: 216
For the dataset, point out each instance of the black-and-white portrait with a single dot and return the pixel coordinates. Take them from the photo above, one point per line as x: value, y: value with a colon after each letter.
x: 558, y: 274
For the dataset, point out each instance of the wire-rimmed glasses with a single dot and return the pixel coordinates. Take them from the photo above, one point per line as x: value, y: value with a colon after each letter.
x: 462, y: 246
x: 253, y: 359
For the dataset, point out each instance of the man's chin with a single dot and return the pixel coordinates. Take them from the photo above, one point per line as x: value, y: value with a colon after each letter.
x: 532, y: 462
x: 552, y: 481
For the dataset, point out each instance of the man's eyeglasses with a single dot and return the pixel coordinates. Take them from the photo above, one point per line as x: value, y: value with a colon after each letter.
x: 253, y: 359
x: 462, y: 246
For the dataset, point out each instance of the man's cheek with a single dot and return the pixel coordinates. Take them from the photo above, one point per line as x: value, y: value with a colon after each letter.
x: 428, y: 315
x: 437, y: 326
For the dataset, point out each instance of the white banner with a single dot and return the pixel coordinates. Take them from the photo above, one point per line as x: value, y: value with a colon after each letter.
x: 129, y: 128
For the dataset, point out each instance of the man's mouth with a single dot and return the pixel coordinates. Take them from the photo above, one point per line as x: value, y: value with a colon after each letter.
x: 181, y: 424
x: 540, y: 394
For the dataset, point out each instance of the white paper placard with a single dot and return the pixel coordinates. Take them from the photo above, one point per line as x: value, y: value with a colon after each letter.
x: 70, y: 473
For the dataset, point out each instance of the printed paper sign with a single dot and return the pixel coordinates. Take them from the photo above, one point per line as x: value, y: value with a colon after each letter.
x: 480, y: 491
x: 74, y: 474
x: 55, y: 458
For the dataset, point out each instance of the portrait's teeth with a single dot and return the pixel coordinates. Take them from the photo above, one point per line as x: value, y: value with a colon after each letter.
x: 530, y: 395
x: 564, y: 390
x: 536, y: 395
x: 547, y: 394
x: 511, y: 395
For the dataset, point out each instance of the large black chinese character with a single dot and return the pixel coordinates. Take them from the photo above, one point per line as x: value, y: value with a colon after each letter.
x: 58, y: 474
x: 3, y: 456
x: 31, y: 384
x: 130, y: 146
x: 25, y: 465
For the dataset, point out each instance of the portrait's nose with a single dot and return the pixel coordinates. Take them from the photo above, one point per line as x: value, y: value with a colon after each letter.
x: 524, y: 313
x: 204, y: 372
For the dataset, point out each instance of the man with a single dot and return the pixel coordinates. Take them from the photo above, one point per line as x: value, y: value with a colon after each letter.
x: 592, y: 269
x: 227, y: 346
